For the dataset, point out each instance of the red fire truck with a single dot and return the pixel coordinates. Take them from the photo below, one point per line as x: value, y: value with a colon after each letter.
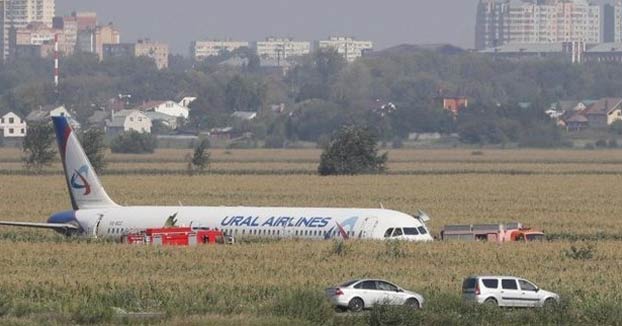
x: 491, y: 232
x: 175, y: 236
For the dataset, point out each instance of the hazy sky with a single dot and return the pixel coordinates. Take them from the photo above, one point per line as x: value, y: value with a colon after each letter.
x: 387, y: 23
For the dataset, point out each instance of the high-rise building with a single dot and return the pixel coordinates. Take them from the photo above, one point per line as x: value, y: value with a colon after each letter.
x: 608, y: 23
x: 490, y: 24
x: 199, y: 50
x: 18, y: 14
x: 612, y: 22
x: 281, y: 48
x: 536, y: 21
x: 348, y: 47
x: 4, y: 32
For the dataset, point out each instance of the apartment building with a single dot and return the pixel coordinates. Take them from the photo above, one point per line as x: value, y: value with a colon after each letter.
x: 155, y: 50
x: 69, y: 28
x: 107, y: 34
x: 16, y: 14
x: 281, y: 48
x: 93, y: 40
x: 350, y: 48
x: 199, y: 50
x: 37, y: 39
x: 86, y: 20
x: 502, y: 22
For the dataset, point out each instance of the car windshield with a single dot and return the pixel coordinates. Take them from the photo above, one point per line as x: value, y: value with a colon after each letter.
x: 423, y: 230
x: 535, y: 237
x: 526, y: 286
x: 348, y: 283
x: 411, y: 231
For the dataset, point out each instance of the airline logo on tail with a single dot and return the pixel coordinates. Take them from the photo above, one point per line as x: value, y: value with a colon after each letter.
x: 78, y: 180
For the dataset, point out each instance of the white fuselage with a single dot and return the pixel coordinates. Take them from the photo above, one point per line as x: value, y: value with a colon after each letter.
x: 270, y: 222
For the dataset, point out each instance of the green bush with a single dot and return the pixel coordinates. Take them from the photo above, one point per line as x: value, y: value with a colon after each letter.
x: 304, y: 304
x: 351, y: 151
x: 580, y: 253
x: 91, y: 312
x: 339, y: 248
x: 133, y: 142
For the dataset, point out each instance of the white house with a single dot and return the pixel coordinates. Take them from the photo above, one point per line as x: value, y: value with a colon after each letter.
x: 167, y: 107
x: 244, y: 115
x: 44, y: 113
x: 128, y: 120
x: 13, y: 126
x: 186, y: 101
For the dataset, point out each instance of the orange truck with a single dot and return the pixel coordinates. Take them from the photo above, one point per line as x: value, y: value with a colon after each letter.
x: 491, y: 232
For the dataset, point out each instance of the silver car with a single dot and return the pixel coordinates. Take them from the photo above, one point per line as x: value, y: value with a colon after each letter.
x: 357, y: 295
x: 506, y: 291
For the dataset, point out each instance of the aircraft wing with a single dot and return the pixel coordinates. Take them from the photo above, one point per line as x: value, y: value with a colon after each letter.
x: 41, y: 225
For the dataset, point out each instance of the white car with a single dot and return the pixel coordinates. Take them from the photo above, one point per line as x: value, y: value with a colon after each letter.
x: 506, y: 291
x: 357, y: 295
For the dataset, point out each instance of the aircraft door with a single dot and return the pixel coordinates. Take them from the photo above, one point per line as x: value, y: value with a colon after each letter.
x: 368, y: 227
x: 98, y: 222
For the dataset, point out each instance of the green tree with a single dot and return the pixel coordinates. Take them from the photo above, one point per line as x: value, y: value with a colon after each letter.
x: 616, y: 127
x: 133, y: 142
x: 38, y: 146
x: 199, y: 161
x: 92, y: 141
x: 244, y: 93
x: 352, y: 150
x: 316, y: 74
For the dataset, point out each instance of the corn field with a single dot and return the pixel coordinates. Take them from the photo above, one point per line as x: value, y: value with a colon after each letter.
x: 574, y: 195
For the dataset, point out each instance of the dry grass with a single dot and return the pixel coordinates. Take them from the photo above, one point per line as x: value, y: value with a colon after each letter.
x: 41, y: 272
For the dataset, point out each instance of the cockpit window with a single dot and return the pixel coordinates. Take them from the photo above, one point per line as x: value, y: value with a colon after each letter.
x: 388, y: 233
x: 411, y: 231
x: 422, y: 230
x: 398, y: 232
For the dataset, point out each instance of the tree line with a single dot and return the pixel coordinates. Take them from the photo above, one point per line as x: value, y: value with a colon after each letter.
x: 321, y: 92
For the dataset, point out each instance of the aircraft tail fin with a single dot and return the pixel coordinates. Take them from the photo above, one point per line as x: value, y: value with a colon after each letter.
x: 85, y: 189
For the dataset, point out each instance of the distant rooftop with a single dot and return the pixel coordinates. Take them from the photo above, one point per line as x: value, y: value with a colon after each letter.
x: 606, y: 47
x: 526, y: 48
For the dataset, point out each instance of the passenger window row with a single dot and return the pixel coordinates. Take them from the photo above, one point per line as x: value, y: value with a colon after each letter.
x: 508, y: 284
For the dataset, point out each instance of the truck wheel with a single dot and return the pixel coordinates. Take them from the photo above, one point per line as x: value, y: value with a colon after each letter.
x: 492, y: 302
x: 356, y: 305
x: 412, y: 303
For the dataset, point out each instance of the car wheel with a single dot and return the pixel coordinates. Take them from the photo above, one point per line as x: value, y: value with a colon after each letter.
x: 412, y: 303
x: 356, y: 305
x: 492, y: 302
x: 550, y: 303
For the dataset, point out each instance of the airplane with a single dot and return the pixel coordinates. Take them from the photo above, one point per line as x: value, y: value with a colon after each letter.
x: 95, y: 215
